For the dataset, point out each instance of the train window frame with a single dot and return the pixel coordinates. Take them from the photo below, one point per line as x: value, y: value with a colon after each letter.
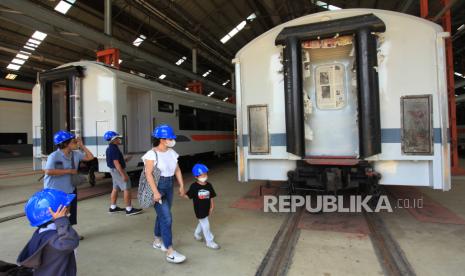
x: 166, y: 107
x: 409, y: 140
x: 254, y: 148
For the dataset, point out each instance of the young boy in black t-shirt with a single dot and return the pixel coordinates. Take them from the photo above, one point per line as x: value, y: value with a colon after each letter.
x: 202, y: 194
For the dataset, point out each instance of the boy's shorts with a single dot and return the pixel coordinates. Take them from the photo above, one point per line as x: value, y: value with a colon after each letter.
x: 118, y: 182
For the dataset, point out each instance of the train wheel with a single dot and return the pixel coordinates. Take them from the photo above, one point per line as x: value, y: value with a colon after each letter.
x: 290, y: 181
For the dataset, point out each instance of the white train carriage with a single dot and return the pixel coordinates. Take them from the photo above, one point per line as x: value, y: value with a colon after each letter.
x: 15, y: 122
x: 345, y: 98
x: 89, y: 98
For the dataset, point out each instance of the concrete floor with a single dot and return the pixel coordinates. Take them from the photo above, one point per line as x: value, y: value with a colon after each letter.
x: 120, y: 245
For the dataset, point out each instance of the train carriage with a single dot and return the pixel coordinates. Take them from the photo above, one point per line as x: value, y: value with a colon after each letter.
x: 341, y: 99
x: 89, y: 98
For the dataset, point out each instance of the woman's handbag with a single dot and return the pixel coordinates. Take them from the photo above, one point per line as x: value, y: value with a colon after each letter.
x: 145, y: 193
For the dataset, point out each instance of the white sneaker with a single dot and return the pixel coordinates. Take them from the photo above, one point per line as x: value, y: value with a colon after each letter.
x: 213, y: 245
x: 175, y: 258
x: 197, y: 237
x: 159, y: 245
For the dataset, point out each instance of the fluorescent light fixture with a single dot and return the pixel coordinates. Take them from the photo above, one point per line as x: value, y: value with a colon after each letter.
x: 327, y: 6
x: 11, y: 76
x: 225, y: 39
x: 18, y: 61
x: 21, y: 56
x: 120, y: 61
x: 251, y: 17
x: 39, y: 35
x: 236, y: 29
x: 14, y: 67
x: 233, y: 32
x: 211, y: 94
x: 226, y: 82
x: 241, y: 25
x: 225, y: 99
x: 162, y: 76
x: 461, y: 27
x: 207, y: 73
x: 25, y: 53
x: 138, y: 41
x: 181, y: 60
x: 459, y: 75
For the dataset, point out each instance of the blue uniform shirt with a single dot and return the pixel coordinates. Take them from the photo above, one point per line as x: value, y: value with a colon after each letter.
x: 58, y: 160
x: 114, y: 153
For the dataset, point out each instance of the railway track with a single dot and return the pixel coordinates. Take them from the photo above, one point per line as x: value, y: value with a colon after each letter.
x: 21, y: 214
x: 279, y: 256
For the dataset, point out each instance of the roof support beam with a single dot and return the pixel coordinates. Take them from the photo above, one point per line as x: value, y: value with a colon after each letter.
x: 17, y: 84
x: 189, y: 40
x: 55, y: 20
x: 406, y: 6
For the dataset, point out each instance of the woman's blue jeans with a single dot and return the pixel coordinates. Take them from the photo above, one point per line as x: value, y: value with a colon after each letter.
x: 164, y: 220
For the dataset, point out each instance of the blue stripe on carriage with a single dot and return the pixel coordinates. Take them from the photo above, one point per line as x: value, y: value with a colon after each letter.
x: 388, y: 135
x: 97, y: 140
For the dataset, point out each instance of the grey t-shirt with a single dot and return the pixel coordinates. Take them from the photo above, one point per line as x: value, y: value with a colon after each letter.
x: 58, y: 160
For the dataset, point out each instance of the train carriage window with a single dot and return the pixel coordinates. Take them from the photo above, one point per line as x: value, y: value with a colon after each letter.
x: 417, y: 125
x: 187, y: 118
x: 191, y: 118
x: 165, y: 107
x: 330, y: 86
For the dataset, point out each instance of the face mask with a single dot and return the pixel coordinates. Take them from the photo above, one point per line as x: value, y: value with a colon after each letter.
x: 171, y: 143
x: 202, y: 179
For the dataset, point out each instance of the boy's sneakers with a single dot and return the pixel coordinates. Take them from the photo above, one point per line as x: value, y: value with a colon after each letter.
x: 115, y: 210
x: 213, y: 245
x: 197, y: 237
x: 175, y: 257
x: 134, y: 211
x: 159, y: 245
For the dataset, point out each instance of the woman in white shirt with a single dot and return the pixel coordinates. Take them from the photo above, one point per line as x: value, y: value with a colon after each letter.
x: 163, y: 190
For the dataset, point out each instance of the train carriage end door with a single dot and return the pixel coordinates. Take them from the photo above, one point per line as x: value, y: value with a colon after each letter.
x: 138, y: 120
x: 59, y: 109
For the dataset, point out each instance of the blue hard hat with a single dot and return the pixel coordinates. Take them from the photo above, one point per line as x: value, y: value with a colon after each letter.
x: 36, y: 208
x: 199, y: 169
x: 62, y: 136
x: 163, y: 132
x: 110, y: 135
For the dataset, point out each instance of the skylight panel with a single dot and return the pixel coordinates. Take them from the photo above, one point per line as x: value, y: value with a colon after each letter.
x: 11, y: 76
x: 18, y: 61
x: 64, y: 6
x: 39, y: 35
x: 21, y: 56
x: 14, y: 67
x: 29, y: 48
